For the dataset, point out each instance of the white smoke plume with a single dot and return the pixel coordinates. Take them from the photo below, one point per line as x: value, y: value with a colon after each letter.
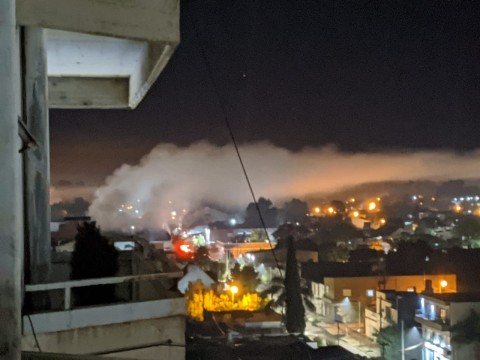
x: 172, y: 178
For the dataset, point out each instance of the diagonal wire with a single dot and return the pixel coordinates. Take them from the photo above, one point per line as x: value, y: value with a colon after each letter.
x: 223, y: 109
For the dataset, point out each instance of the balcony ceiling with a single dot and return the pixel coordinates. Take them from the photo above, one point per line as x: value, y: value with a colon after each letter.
x: 103, y: 54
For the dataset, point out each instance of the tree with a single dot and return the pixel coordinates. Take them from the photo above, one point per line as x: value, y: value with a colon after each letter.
x: 338, y: 206
x: 201, y: 256
x: 284, y: 231
x: 365, y: 254
x: 291, y: 292
x: 390, y: 342
x: 268, y: 211
x: 93, y: 257
x: 410, y: 257
x: 332, y: 229
x: 258, y: 235
x: 294, y: 310
x: 468, y: 228
x: 246, y: 278
x: 330, y: 252
x: 467, y: 331
x: 295, y: 211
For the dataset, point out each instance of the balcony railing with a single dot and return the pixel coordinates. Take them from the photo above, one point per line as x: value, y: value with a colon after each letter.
x: 67, y: 286
x: 70, y: 318
x: 432, y: 321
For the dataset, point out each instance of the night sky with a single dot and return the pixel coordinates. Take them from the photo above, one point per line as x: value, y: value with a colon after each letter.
x: 363, y: 75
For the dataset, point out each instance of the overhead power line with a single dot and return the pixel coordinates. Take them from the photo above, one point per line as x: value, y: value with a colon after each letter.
x: 231, y: 133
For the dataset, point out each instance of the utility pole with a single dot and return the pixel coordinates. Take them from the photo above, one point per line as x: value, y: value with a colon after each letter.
x: 359, y: 313
x: 338, y: 332
x: 403, y: 341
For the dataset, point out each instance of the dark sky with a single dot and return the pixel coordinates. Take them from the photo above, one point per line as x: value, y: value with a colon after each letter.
x: 364, y: 75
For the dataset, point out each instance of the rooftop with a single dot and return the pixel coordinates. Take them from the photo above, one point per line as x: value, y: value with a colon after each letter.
x: 454, y: 297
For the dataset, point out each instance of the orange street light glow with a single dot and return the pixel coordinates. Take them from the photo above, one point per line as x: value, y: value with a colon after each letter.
x: 316, y: 210
x: 372, y: 205
x: 443, y: 283
x: 383, y: 221
x: 233, y: 290
x: 457, y: 208
x: 331, y: 210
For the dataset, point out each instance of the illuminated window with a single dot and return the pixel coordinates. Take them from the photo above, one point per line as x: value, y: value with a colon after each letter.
x: 347, y: 292
x: 370, y: 293
x: 443, y: 314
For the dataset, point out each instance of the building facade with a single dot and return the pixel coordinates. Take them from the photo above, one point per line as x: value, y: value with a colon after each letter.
x: 333, y: 294
x: 437, y: 314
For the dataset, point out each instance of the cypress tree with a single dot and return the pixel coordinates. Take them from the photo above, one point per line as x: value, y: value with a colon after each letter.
x: 294, y: 312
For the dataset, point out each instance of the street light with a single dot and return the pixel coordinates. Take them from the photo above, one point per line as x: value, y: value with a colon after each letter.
x: 233, y: 290
x: 443, y: 285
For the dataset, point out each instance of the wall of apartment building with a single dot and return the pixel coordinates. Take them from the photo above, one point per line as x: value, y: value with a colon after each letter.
x: 116, y: 339
x: 357, y: 288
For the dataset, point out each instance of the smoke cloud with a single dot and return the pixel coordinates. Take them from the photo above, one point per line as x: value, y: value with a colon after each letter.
x: 172, y: 178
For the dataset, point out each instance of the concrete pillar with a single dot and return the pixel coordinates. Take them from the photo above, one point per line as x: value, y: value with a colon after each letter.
x: 11, y: 210
x: 37, y: 165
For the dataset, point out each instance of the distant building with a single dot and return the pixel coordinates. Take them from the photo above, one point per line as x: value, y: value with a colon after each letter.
x: 437, y: 314
x: 391, y: 309
x: 332, y: 293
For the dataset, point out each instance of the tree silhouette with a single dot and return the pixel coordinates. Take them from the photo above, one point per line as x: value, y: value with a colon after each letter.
x: 294, y: 310
x: 292, y: 292
x: 93, y: 257
x: 246, y: 278
x: 468, y: 228
x: 258, y: 235
x: 467, y: 331
x: 389, y: 339
x: 295, y: 211
x: 268, y: 211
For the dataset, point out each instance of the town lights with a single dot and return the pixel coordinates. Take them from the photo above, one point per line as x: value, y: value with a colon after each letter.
x: 443, y: 285
x: 457, y: 208
x: 383, y: 221
x: 356, y: 214
x: 316, y: 210
x: 372, y: 205
x: 331, y: 210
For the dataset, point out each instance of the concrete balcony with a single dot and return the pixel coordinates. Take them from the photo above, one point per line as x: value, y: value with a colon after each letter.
x: 434, y: 322
x: 103, y: 54
x: 137, y: 329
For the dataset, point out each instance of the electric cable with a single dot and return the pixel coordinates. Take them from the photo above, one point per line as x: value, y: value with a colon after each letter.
x: 34, y: 334
x: 221, y: 102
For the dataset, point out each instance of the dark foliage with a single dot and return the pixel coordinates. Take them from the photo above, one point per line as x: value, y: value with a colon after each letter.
x: 93, y: 257
x: 294, y: 310
x: 295, y: 211
x: 467, y: 331
x: 268, y: 211
x: 389, y: 340
x: 245, y: 278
